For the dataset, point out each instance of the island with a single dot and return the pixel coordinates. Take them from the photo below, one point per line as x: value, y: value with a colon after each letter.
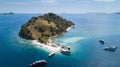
x: 11, y: 13
x: 42, y: 29
x: 117, y: 13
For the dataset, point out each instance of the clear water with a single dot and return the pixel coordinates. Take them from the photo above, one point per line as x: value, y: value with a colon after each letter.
x: 86, y: 51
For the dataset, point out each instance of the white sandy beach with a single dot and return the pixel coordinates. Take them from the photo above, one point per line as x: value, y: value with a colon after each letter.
x: 50, y: 45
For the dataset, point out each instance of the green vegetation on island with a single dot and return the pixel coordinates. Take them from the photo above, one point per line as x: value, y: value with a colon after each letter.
x: 41, y: 28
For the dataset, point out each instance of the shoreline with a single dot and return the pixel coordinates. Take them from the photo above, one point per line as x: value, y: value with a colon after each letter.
x: 49, y: 46
x: 52, y: 47
x: 69, y: 28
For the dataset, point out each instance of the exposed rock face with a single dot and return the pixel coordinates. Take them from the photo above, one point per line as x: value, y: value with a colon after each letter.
x: 42, y: 27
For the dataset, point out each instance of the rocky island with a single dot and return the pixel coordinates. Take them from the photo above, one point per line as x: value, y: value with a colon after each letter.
x: 42, y: 28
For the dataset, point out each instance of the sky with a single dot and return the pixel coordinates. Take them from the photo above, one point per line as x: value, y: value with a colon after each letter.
x: 60, y: 6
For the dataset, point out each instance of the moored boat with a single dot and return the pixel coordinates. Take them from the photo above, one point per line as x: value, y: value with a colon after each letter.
x: 65, y: 50
x: 51, y: 54
x: 110, y: 48
x: 102, y: 41
x: 65, y: 47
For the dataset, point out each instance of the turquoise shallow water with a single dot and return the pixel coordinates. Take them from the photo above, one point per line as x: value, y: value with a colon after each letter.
x: 86, y: 51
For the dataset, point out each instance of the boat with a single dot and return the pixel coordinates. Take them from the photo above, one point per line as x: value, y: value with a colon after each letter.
x: 38, y: 63
x: 65, y: 47
x: 51, y: 54
x: 102, y: 41
x: 110, y: 48
x: 65, y: 50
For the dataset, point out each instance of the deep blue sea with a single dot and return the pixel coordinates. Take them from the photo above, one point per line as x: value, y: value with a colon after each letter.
x: 86, y: 51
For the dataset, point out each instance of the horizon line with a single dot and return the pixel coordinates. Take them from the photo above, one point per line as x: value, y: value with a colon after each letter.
x: 59, y: 13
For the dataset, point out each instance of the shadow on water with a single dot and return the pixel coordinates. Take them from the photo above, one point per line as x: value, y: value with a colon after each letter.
x: 39, y: 66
